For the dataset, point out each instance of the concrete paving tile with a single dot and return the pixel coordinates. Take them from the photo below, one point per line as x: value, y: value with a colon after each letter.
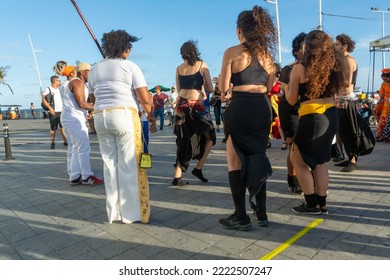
x: 232, y: 245
x: 89, y: 255
x: 8, y: 253
x: 59, y: 240
x: 75, y: 250
x: 33, y: 248
x: 214, y: 253
x: 379, y: 248
x: 209, y: 238
x: 334, y: 254
x: 114, y: 248
x: 130, y: 255
x: 252, y: 252
x: 151, y: 248
x: 96, y: 241
x: 171, y: 254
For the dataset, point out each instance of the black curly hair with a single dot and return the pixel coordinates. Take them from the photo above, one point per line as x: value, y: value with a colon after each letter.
x: 259, y: 31
x: 344, y: 39
x: 190, y: 52
x: 116, y: 42
x: 297, y: 42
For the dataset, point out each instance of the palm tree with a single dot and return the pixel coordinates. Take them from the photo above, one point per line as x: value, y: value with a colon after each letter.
x: 3, y: 73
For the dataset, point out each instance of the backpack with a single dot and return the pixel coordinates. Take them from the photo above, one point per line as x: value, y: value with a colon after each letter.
x: 49, y: 99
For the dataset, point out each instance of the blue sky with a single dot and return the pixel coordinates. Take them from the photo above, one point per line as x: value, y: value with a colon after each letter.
x: 164, y: 25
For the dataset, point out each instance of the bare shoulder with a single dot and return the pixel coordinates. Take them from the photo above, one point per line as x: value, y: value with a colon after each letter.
x: 233, y: 51
x: 298, y: 68
x: 180, y: 66
x: 204, y: 64
x: 298, y: 72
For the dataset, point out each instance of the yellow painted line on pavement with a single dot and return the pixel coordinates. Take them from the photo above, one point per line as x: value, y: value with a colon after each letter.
x: 292, y: 240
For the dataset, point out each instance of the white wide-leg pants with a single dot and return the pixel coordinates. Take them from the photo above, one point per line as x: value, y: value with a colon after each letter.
x: 126, y: 184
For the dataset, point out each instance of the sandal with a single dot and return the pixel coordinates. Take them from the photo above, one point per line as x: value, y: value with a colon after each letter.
x: 284, y: 146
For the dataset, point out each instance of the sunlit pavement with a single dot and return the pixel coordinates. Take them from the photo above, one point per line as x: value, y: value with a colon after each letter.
x: 43, y: 217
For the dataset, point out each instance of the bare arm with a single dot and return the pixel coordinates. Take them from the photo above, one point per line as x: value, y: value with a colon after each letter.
x: 77, y: 87
x: 208, y: 85
x: 226, y: 73
x: 178, y: 87
x: 350, y: 65
x: 170, y: 101
x: 146, y: 101
x: 92, y: 98
x: 47, y: 104
x: 293, y: 87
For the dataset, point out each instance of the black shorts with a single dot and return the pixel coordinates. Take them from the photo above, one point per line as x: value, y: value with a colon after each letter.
x: 55, y: 121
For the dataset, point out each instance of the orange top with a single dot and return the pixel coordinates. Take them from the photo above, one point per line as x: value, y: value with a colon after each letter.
x: 385, y: 95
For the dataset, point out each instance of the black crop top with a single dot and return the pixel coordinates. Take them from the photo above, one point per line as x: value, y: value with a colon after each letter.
x: 302, y: 92
x: 194, y: 81
x: 254, y: 74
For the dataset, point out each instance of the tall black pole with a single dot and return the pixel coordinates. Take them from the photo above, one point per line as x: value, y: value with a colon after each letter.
x: 89, y: 28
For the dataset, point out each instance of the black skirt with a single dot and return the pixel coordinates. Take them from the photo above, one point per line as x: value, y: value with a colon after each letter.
x: 192, y: 121
x: 288, y: 116
x: 249, y: 122
x: 314, y: 136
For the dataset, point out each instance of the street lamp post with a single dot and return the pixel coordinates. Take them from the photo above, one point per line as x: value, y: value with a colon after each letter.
x: 319, y: 15
x: 275, y: 2
x: 376, y: 10
x: 36, y: 63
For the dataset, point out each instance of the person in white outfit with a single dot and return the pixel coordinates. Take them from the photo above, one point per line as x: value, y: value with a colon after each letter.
x: 115, y: 84
x: 73, y: 119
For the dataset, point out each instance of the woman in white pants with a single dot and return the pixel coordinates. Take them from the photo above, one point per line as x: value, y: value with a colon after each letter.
x: 114, y: 85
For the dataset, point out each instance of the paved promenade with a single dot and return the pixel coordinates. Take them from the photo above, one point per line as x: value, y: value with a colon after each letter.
x: 43, y: 218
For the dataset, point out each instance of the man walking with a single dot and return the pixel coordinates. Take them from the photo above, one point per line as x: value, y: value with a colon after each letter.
x: 51, y: 98
x: 159, y: 100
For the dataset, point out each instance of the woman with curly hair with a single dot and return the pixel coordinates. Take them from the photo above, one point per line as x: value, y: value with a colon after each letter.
x: 315, y: 81
x: 116, y: 85
x: 249, y: 67
x: 194, y: 126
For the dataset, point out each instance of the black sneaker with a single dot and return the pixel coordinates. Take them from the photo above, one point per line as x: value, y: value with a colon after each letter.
x: 178, y: 182
x: 198, y: 173
x: 76, y: 181
x: 343, y: 163
x: 324, y: 210
x: 293, y: 185
x: 261, y: 223
x: 232, y: 222
x: 349, y: 168
x: 53, y: 145
x: 303, y: 209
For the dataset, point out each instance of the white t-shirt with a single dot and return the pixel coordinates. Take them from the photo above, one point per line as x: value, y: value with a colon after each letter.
x: 56, y: 98
x: 113, y: 82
